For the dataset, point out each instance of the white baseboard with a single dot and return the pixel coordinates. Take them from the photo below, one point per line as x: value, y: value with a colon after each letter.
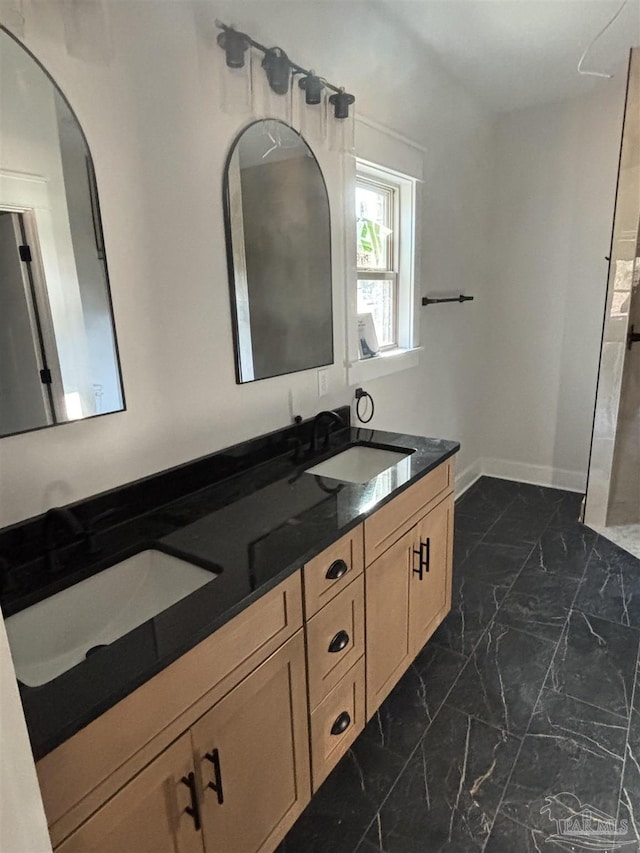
x: 538, y: 475
x: 522, y: 472
x: 465, y: 479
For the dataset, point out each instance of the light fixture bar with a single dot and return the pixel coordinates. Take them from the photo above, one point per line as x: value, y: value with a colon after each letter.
x: 341, y: 99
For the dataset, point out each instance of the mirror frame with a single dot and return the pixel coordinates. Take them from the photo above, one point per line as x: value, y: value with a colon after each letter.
x: 226, y: 204
x: 100, y: 243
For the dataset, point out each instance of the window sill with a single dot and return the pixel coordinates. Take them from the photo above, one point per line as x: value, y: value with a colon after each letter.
x: 391, y: 361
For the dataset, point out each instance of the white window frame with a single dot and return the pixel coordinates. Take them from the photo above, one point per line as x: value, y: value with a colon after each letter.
x: 405, y: 353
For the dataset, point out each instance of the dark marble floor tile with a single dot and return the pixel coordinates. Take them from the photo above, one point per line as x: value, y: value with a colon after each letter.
x: 507, y: 836
x: 538, y: 602
x: 503, y: 491
x: 342, y: 809
x: 563, y: 551
x: 503, y: 677
x: 463, y: 545
x: 404, y: 716
x: 446, y: 797
x: 473, y: 607
x: 554, y: 778
x: 368, y: 846
x: 481, y: 505
x: 560, y: 717
x: 493, y: 564
x: 630, y: 791
x: 607, y: 551
x: 595, y: 662
x: 541, y: 496
x: 535, y: 505
x: 611, y: 590
x: 473, y: 525
x: 568, y: 510
x: 518, y: 529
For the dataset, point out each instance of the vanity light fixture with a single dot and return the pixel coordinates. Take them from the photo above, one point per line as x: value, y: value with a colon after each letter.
x: 235, y: 45
x: 279, y: 68
x: 313, y: 87
x: 341, y: 102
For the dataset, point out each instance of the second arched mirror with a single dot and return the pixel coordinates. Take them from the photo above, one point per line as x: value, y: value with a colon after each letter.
x: 279, y: 253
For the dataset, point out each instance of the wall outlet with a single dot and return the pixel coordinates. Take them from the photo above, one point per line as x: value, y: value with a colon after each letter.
x: 323, y: 383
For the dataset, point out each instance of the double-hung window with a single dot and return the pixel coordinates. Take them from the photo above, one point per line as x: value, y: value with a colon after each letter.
x: 377, y: 255
x: 385, y: 238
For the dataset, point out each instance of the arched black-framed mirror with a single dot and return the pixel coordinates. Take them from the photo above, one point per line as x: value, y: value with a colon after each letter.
x: 58, y: 352
x: 278, y: 231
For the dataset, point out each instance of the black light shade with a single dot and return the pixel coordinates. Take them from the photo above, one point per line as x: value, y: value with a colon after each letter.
x: 278, y: 70
x: 313, y: 87
x: 341, y: 102
x: 235, y: 46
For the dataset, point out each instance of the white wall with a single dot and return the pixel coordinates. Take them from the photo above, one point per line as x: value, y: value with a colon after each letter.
x: 555, y: 171
x: 23, y: 827
x: 159, y: 142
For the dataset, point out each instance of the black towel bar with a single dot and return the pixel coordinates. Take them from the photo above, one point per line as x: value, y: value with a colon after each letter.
x: 427, y: 300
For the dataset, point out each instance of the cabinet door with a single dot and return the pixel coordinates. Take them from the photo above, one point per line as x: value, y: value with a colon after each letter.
x: 430, y: 596
x: 148, y: 815
x: 387, y: 583
x: 253, y: 748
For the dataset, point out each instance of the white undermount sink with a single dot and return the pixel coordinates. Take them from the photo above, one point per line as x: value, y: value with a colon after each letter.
x: 55, y: 634
x: 359, y: 464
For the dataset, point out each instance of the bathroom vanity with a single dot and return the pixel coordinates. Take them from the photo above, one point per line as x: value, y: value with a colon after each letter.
x: 209, y: 726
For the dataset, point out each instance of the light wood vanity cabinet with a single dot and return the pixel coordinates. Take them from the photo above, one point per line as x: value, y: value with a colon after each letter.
x: 409, y: 554
x: 220, y: 752
x: 430, y: 596
x: 241, y: 692
x: 252, y: 757
x: 148, y: 815
x: 234, y: 783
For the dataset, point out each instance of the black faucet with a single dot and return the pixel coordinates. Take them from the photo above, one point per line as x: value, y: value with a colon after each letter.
x: 59, y: 517
x: 330, y: 418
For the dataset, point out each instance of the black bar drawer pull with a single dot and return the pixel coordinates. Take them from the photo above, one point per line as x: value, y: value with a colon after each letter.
x: 339, y: 642
x: 337, y: 570
x: 419, y: 570
x: 341, y: 723
x: 194, y: 808
x: 216, y: 785
x: 424, y: 555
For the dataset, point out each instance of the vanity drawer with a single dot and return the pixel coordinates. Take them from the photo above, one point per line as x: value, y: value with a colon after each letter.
x: 335, y: 640
x: 332, y: 570
x: 336, y: 723
x: 388, y: 524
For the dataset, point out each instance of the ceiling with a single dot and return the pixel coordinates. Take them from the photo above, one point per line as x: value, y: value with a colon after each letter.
x: 518, y: 53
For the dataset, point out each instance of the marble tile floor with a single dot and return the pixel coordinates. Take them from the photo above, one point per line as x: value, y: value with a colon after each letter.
x: 627, y: 536
x: 520, y: 711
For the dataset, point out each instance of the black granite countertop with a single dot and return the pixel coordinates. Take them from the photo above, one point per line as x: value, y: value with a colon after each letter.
x: 252, y: 530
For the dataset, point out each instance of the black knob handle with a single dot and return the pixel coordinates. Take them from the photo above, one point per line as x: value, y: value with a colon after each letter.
x: 341, y: 723
x: 339, y: 642
x: 194, y: 808
x: 337, y: 570
x: 216, y: 785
